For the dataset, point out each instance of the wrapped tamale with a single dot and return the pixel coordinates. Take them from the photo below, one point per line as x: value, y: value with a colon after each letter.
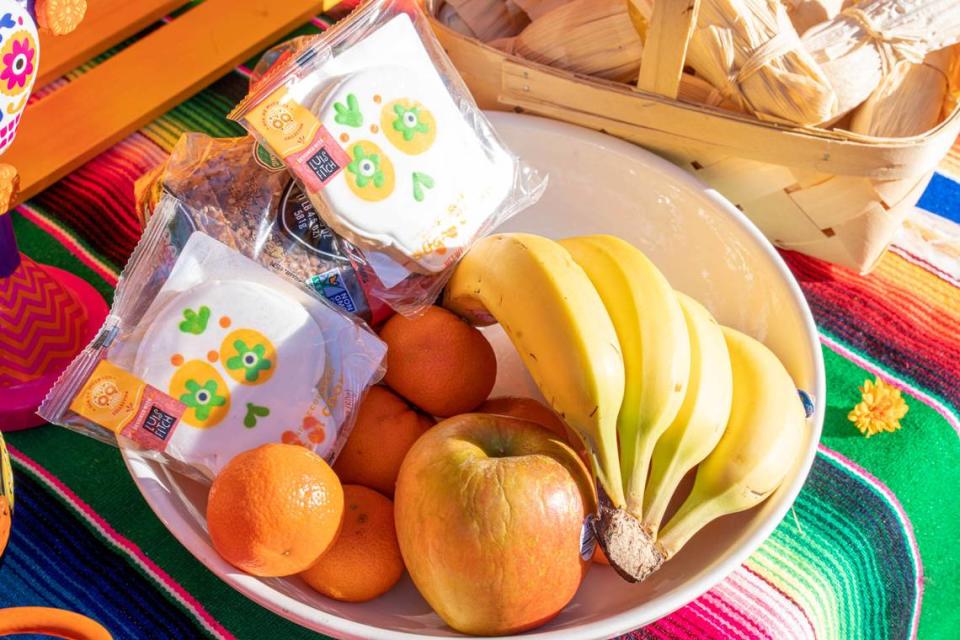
x: 536, y: 8
x: 484, y: 19
x: 867, y: 41
x: 749, y: 50
x: 594, y: 37
x: 909, y: 100
x: 448, y: 16
x: 807, y: 13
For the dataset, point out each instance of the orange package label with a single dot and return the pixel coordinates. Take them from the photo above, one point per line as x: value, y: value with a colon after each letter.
x: 295, y: 134
x: 285, y: 124
x: 119, y: 401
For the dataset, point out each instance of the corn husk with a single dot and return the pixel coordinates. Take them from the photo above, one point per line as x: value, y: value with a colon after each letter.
x: 909, y: 100
x: 507, y: 45
x: 788, y: 86
x: 538, y: 8
x: 699, y: 91
x: 594, y: 37
x: 484, y: 19
x: 448, y: 16
x: 903, y: 30
x: 808, y: 13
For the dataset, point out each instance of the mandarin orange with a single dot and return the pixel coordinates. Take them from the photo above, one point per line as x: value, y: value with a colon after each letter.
x: 274, y: 510
x: 365, y: 561
x: 438, y: 362
x: 385, y: 430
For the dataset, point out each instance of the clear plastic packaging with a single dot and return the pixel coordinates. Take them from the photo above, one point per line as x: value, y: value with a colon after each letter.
x: 206, y: 353
x: 277, y: 54
x: 233, y: 190
x: 376, y: 125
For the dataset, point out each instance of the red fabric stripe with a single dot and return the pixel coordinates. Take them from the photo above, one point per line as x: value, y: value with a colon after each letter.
x: 867, y: 314
x: 97, y: 200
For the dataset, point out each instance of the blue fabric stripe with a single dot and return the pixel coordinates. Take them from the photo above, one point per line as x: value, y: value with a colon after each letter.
x: 942, y: 197
x: 53, y: 559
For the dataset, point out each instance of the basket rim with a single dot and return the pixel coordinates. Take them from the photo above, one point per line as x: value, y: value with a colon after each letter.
x: 863, y: 141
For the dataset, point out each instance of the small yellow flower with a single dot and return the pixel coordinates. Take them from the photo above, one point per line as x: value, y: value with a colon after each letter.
x: 880, y: 409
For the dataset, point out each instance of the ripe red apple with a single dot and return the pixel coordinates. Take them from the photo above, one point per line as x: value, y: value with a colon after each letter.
x: 489, y: 513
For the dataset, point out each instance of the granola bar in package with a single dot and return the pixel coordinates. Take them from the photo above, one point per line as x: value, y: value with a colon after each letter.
x: 378, y: 128
x: 206, y: 353
x: 233, y: 190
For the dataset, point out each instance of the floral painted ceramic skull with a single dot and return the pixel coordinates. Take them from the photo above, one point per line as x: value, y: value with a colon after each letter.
x: 19, y: 64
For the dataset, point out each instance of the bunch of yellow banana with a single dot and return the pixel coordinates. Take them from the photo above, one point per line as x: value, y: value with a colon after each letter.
x: 620, y: 356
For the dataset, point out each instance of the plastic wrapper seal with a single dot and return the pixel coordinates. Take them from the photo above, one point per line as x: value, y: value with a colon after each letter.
x: 233, y: 190
x: 378, y: 128
x: 206, y: 354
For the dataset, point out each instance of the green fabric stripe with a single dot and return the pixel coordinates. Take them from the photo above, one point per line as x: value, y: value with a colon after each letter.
x: 63, y: 227
x: 780, y: 556
x: 205, y: 112
x: 44, y: 248
x: 162, y: 133
x: 917, y: 463
x: 776, y: 564
x: 905, y: 376
x: 96, y: 472
x: 822, y: 556
x: 108, y: 542
x: 842, y: 546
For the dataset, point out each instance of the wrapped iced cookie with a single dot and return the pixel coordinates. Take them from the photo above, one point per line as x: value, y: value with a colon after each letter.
x: 375, y: 124
x: 231, y: 190
x: 206, y: 354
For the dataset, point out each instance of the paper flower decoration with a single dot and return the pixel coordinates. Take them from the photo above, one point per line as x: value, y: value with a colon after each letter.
x: 880, y: 409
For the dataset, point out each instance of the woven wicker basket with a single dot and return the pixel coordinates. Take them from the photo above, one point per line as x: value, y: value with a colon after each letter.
x: 830, y: 194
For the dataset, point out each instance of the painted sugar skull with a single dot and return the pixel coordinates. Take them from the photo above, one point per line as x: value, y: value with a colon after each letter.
x: 20, y: 51
x: 19, y: 64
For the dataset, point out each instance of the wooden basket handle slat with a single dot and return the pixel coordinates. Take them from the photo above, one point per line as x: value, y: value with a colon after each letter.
x: 665, y: 48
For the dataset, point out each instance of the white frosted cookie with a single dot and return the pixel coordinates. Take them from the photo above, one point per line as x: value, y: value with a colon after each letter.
x: 415, y: 178
x: 245, y: 360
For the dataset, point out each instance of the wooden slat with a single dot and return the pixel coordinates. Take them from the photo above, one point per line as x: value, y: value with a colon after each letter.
x: 111, y: 101
x: 106, y: 23
x: 665, y: 48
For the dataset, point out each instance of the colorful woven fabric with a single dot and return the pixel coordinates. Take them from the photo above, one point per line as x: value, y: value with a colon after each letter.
x: 866, y: 551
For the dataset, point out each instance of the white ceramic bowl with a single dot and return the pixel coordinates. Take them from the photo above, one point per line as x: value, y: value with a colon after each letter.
x: 707, y: 249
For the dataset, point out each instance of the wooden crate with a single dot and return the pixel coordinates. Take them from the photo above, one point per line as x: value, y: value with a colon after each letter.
x: 99, y: 108
x: 830, y: 194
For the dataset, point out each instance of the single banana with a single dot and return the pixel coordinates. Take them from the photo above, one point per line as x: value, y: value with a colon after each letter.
x: 702, y: 417
x: 656, y: 348
x: 758, y: 448
x: 557, y: 323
